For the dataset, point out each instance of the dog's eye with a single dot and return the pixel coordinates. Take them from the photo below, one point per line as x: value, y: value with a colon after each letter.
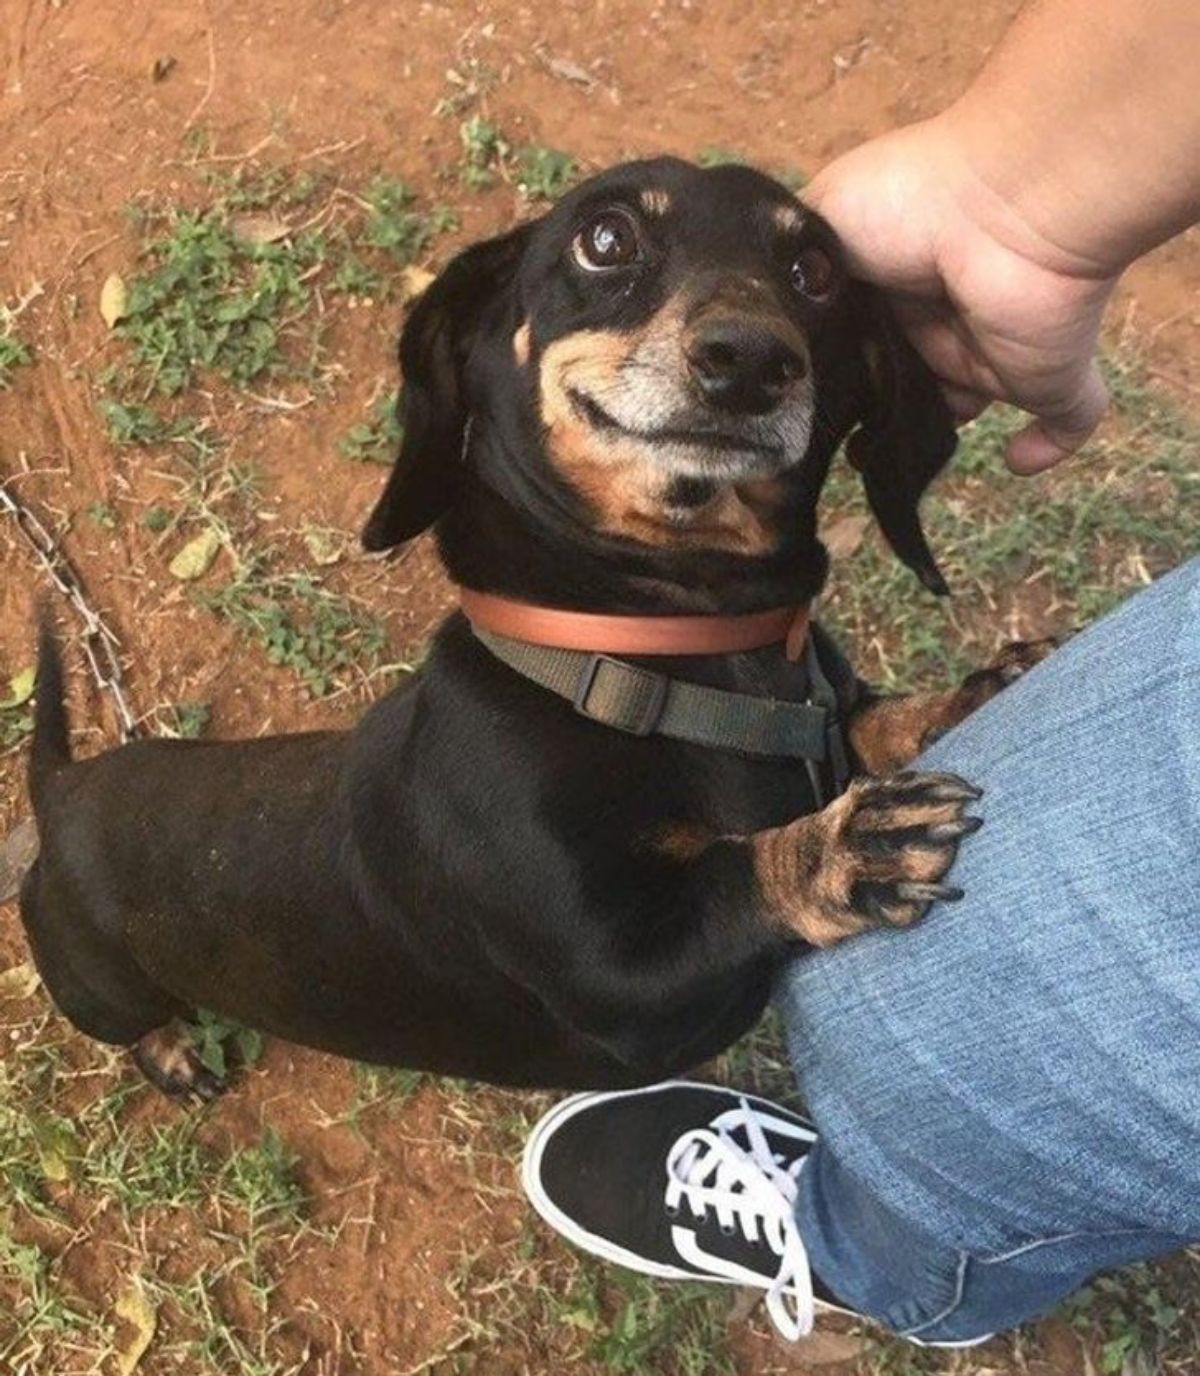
x: 609, y: 240
x: 812, y: 272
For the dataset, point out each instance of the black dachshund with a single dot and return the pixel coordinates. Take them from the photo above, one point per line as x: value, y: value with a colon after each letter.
x: 627, y: 407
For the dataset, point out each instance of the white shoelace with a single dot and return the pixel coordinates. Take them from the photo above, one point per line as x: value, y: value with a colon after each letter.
x: 748, y: 1190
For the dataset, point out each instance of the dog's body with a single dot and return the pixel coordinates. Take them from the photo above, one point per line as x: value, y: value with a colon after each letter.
x: 478, y: 880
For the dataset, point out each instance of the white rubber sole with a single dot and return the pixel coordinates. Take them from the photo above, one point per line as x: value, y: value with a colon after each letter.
x: 531, y: 1161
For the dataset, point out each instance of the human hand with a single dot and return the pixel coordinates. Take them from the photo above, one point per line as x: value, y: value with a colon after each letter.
x: 996, y: 309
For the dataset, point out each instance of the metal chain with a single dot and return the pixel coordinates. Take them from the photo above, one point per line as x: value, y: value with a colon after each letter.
x: 100, y: 645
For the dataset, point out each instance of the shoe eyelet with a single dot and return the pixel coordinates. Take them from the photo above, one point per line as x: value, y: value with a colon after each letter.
x: 728, y: 1231
x: 672, y: 1210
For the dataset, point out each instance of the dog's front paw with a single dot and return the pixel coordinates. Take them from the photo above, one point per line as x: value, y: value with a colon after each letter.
x: 1014, y: 660
x: 1017, y: 658
x: 167, y: 1058
x: 874, y: 858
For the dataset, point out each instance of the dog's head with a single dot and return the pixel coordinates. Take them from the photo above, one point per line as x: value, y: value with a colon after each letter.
x: 668, y: 356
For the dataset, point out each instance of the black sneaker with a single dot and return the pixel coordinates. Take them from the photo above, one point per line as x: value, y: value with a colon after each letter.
x: 721, y: 1210
x: 685, y: 1182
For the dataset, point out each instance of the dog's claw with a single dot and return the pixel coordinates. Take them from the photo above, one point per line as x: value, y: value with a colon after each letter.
x: 953, y: 831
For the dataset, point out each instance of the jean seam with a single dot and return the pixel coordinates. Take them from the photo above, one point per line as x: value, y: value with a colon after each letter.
x: 960, y: 1285
x: 1000, y: 1257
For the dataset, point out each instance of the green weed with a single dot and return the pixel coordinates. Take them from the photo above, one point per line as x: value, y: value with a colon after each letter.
x: 377, y: 438
x: 14, y: 353
x: 213, y: 301
x: 318, y: 634
x: 185, y: 721
x: 396, y: 226
x: 484, y: 152
x: 1129, y: 1317
x: 543, y: 174
x: 220, y: 1041
x: 355, y: 277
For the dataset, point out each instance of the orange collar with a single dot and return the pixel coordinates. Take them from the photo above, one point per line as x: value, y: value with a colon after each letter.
x: 600, y: 633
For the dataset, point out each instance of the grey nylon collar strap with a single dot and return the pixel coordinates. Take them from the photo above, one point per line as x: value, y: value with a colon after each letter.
x: 642, y: 702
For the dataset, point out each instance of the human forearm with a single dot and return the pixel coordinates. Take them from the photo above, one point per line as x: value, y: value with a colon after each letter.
x: 1085, y: 126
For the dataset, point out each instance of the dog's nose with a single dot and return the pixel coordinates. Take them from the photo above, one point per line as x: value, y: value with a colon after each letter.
x: 742, y: 365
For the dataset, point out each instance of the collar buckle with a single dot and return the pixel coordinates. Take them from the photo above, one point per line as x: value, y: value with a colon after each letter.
x: 621, y: 695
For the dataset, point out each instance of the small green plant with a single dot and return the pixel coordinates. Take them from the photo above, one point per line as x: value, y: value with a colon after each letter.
x: 543, y: 174
x: 396, y: 226
x: 321, y: 636
x: 16, y: 714
x: 102, y: 514
x: 131, y: 423
x: 186, y: 721
x: 219, y: 1041
x: 14, y: 353
x: 356, y: 277
x: 376, y: 439
x: 484, y: 151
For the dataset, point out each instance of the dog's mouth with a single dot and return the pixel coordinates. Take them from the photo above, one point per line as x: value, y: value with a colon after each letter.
x: 766, y: 452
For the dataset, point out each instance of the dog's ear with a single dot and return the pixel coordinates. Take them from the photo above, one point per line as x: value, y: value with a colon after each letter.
x: 434, y: 348
x: 905, y: 433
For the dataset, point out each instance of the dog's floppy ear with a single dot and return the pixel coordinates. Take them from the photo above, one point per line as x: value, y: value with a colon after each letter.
x: 434, y: 348
x: 905, y: 433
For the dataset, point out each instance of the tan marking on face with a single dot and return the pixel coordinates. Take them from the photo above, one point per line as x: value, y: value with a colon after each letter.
x: 521, y: 345
x: 620, y: 478
x: 788, y: 218
x: 656, y: 201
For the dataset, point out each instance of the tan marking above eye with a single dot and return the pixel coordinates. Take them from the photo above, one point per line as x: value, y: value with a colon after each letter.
x: 788, y: 218
x: 521, y: 344
x: 656, y: 201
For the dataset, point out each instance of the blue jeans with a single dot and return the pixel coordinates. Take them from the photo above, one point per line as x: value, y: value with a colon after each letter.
x: 1009, y: 1095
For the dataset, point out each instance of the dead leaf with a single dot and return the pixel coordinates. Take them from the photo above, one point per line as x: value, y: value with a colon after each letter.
x: 18, y: 851
x: 20, y: 689
x: 133, y: 1306
x: 413, y: 281
x: 325, y: 546
x: 114, y: 299
x: 195, y: 559
x: 844, y: 536
x: 260, y: 229
x: 57, y: 1147
x: 19, y: 981
x: 566, y: 70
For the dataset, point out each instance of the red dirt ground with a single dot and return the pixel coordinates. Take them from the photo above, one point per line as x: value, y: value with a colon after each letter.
x: 353, y: 85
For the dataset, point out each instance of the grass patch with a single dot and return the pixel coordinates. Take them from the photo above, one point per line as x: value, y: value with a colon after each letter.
x: 1060, y: 549
x: 1141, y: 1319
x: 395, y: 225
x: 377, y: 438
x: 216, y: 301
x: 322, y: 636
